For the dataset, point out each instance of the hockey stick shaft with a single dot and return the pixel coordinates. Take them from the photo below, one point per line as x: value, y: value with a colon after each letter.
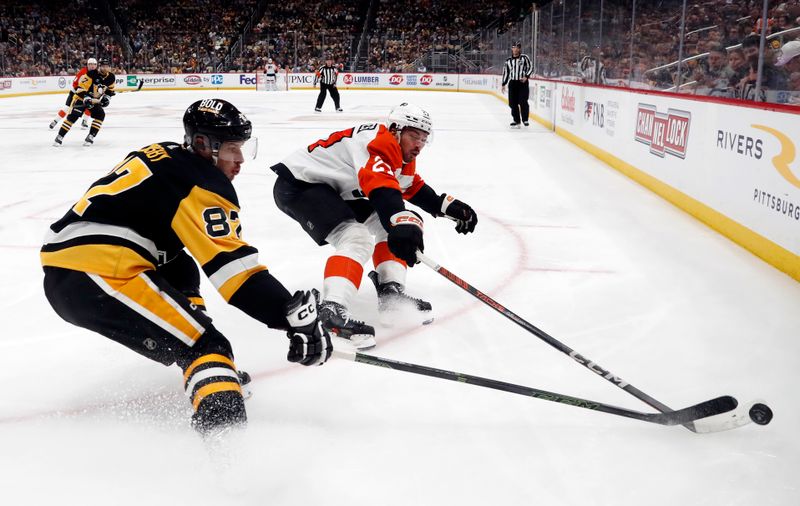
x: 138, y: 87
x: 544, y: 336
x: 704, y: 409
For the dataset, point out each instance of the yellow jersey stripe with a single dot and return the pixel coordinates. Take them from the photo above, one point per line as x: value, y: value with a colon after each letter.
x: 104, y: 259
x: 214, y: 388
x: 212, y: 357
x: 233, y: 283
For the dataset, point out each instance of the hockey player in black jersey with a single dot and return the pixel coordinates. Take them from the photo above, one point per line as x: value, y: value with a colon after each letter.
x: 94, y: 92
x: 116, y: 263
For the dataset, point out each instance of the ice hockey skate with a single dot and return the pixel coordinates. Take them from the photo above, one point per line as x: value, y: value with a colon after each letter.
x: 84, y: 124
x: 244, y: 381
x: 58, y: 141
x: 394, y: 302
x: 336, y: 319
x: 89, y: 140
x: 53, y: 124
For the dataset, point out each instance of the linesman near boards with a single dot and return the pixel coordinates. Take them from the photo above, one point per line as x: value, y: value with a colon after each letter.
x: 516, y: 72
x: 326, y: 76
x: 117, y: 264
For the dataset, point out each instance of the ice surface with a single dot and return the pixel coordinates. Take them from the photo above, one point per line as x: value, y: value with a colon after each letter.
x: 564, y: 241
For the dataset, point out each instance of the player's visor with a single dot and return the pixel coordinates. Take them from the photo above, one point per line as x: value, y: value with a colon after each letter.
x: 238, y: 150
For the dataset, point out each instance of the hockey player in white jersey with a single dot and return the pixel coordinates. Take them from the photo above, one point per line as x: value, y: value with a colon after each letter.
x: 270, y: 75
x: 348, y: 190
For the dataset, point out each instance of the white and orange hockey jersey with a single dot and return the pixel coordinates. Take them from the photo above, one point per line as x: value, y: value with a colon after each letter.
x: 356, y: 161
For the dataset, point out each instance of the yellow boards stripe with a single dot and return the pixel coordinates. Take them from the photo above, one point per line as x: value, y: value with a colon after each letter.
x: 212, y: 357
x: 103, y: 259
x: 207, y: 224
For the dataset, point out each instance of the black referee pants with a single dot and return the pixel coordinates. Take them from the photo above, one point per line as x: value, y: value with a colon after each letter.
x: 518, y: 100
x: 323, y: 90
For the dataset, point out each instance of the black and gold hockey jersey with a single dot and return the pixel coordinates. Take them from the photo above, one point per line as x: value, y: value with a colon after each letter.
x: 154, y: 203
x: 94, y: 84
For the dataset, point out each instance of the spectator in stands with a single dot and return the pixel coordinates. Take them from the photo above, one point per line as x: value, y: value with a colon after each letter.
x: 788, y: 58
x: 737, y: 64
x: 751, y: 46
x: 772, y: 79
x: 715, y: 78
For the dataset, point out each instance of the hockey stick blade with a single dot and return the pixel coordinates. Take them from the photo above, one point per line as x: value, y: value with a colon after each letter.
x: 552, y: 341
x: 696, y: 413
x: 680, y: 417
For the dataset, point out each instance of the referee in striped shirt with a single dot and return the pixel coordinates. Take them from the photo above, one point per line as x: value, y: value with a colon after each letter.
x: 516, y: 72
x: 326, y: 76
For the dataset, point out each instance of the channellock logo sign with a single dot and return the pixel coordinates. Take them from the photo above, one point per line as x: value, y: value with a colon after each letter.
x: 664, y: 133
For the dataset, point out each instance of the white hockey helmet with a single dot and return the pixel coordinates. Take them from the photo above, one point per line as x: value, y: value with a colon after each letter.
x: 408, y: 115
x: 269, y: 60
x: 91, y: 61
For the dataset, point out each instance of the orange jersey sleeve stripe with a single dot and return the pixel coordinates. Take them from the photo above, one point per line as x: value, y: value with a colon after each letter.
x: 344, y: 267
x: 382, y: 254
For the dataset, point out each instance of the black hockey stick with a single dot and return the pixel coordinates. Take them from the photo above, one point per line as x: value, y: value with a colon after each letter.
x: 683, y: 416
x: 138, y: 87
x: 555, y: 343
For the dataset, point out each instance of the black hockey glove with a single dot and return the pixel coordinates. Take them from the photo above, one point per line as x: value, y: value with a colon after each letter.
x: 464, y: 216
x: 88, y: 102
x: 104, y: 101
x: 405, y: 236
x: 309, y: 343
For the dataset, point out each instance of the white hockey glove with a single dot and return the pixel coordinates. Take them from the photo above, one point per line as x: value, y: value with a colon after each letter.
x: 309, y: 343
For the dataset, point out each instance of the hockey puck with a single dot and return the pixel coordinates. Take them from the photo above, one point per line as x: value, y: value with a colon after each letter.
x: 760, y: 413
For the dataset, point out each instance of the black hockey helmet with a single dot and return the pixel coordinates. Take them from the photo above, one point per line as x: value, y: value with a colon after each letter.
x: 216, y: 119
x: 103, y: 61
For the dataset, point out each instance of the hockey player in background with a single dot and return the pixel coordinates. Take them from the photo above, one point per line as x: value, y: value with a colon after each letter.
x: 270, y: 75
x: 94, y: 92
x: 116, y: 263
x: 91, y: 64
x: 348, y: 191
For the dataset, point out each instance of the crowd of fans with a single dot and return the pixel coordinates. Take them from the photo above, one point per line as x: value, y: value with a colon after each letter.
x: 45, y: 38
x: 720, y: 47
x: 300, y: 35
x: 404, y: 31
x: 166, y: 36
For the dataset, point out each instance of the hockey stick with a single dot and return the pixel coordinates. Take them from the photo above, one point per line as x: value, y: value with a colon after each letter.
x: 138, y: 87
x: 592, y: 366
x: 683, y: 416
